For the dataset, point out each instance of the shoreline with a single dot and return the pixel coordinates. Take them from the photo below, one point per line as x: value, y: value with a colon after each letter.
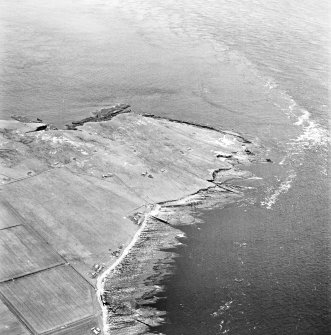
x: 156, y: 217
x: 101, y: 279
x: 105, y: 161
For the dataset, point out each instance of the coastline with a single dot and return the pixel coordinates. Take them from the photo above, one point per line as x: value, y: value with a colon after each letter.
x: 101, y: 279
x: 107, y: 157
x: 144, y: 264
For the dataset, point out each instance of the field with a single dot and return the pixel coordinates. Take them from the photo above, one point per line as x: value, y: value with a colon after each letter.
x: 80, y: 217
x: 68, y: 296
x: 33, y: 273
x: 22, y: 252
x: 8, y: 216
x: 9, y: 324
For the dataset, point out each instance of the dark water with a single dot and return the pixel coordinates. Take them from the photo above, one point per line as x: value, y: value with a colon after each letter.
x: 258, y: 67
x: 245, y: 270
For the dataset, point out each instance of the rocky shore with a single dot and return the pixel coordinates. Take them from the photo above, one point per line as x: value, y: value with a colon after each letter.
x: 106, y: 195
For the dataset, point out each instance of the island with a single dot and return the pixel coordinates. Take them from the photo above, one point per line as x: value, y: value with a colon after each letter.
x: 89, y: 213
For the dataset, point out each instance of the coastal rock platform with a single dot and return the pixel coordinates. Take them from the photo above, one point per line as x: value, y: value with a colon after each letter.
x: 86, y: 211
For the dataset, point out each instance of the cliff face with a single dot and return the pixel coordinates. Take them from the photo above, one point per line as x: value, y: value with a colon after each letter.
x: 82, y: 195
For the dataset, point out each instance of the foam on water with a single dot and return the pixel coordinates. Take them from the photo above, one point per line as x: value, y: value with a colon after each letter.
x: 313, y: 134
x: 223, y: 308
x: 271, y: 199
x: 303, y: 118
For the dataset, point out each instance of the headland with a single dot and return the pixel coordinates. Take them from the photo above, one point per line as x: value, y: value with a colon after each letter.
x: 88, y: 214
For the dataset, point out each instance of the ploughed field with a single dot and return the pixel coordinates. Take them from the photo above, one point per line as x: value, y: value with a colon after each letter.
x: 72, y: 200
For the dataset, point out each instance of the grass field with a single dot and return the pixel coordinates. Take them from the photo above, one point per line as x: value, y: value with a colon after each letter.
x: 68, y: 297
x: 8, y: 216
x: 9, y: 324
x: 22, y: 252
x: 80, y: 217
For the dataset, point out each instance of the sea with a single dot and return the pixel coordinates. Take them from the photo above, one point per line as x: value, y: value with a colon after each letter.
x: 259, y: 265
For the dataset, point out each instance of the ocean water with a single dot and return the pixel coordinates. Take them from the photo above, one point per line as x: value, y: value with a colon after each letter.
x: 261, y: 265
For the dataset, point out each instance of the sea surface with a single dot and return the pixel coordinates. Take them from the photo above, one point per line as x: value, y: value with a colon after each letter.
x: 257, y: 266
